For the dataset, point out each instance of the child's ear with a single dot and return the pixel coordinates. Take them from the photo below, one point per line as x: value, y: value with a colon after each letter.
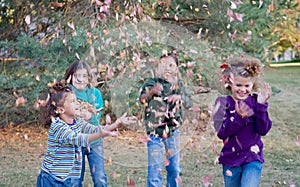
x: 60, y: 110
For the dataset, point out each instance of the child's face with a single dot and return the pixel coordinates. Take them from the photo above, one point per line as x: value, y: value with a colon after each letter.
x: 167, y: 67
x: 80, y: 79
x: 71, y: 106
x: 241, y: 88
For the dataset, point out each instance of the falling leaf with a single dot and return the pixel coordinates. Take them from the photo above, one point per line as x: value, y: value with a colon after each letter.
x: 130, y: 182
x: 27, y: 19
x: 261, y: 2
x: 233, y: 5
x: 228, y: 173
x: 255, y: 149
x: 297, y: 141
x: 106, y: 31
x: 25, y: 136
x: 271, y: 7
x: 109, y: 161
x: 162, y: 3
x: 107, y: 119
x: 195, y: 108
x: 231, y: 78
x: 178, y: 180
x: 92, y: 23
x: 206, y: 180
x: 239, y: 17
x: 175, y: 17
x: 167, y: 162
x: 144, y: 140
x: 71, y: 25
x: 20, y: 101
x: 37, y: 77
x: 107, y: 2
x: 57, y: 4
x: 224, y: 66
x: 115, y: 175
x: 165, y: 135
x: 99, y: 3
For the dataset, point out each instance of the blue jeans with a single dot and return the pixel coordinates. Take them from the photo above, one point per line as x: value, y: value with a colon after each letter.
x: 45, y: 180
x: 156, y: 147
x: 96, y: 162
x: 246, y: 175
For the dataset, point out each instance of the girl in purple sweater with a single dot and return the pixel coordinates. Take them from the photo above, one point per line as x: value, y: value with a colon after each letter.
x: 240, y: 120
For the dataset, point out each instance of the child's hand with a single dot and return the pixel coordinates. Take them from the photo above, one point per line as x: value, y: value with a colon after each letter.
x: 85, y: 114
x: 174, y: 98
x: 114, y: 133
x: 124, y: 119
x: 243, y: 109
x: 263, y: 97
x: 157, y: 89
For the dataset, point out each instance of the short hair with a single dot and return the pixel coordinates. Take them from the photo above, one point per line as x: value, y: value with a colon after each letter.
x: 174, y: 56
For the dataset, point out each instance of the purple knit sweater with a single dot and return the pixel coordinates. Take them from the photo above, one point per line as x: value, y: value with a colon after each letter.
x: 241, y: 136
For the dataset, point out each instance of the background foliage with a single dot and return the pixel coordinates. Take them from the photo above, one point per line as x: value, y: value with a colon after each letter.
x: 39, y: 38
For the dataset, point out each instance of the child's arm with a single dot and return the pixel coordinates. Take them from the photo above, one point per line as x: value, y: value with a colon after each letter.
x: 101, y: 134
x: 231, y: 123
x: 263, y: 122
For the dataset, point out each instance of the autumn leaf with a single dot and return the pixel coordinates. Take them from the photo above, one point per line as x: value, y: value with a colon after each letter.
x: 297, y: 141
x: 108, y: 119
x: 178, y: 180
x: 144, y: 140
x: 92, y: 23
x: 109, y: 161
x: 27, y: 19
x: 167, y: 162
x: 57, y: 4
x: 130, y: 182
x: 20, y: 101
x: 115, y: 175
x: 271, y: 7
x: 224, y: 66
x: 206, y: 180
x: 71, y: 25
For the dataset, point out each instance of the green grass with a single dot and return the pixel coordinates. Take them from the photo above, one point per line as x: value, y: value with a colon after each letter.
x: 21, y: 159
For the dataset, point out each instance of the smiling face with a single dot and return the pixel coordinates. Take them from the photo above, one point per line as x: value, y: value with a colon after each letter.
x: 80, y: 79
x: 241, y: 88
x: 167, y: 67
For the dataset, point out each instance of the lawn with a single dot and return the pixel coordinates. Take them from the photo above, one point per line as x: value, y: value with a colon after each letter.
x: 22, y: 148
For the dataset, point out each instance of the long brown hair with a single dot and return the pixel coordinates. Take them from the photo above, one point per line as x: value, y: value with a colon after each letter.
x: 74, y: 67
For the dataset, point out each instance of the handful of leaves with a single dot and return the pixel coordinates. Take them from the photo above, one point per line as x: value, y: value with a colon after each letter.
x: 87, y: 107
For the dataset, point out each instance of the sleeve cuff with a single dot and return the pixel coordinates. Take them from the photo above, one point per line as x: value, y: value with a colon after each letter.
x: 262, y: 107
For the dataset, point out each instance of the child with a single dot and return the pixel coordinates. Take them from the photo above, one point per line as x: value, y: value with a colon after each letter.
x: 67, y: 134
x: 80, y: 76
x: 163, y: 97
x: 240, y: 120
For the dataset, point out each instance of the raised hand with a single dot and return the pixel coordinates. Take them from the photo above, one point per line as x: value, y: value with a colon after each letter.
x: 174, y: 98
x: 264, y: 95
x: 157, y: 89
x: 114, y: 133
x: 243, y: 109
x: 124, y: 119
